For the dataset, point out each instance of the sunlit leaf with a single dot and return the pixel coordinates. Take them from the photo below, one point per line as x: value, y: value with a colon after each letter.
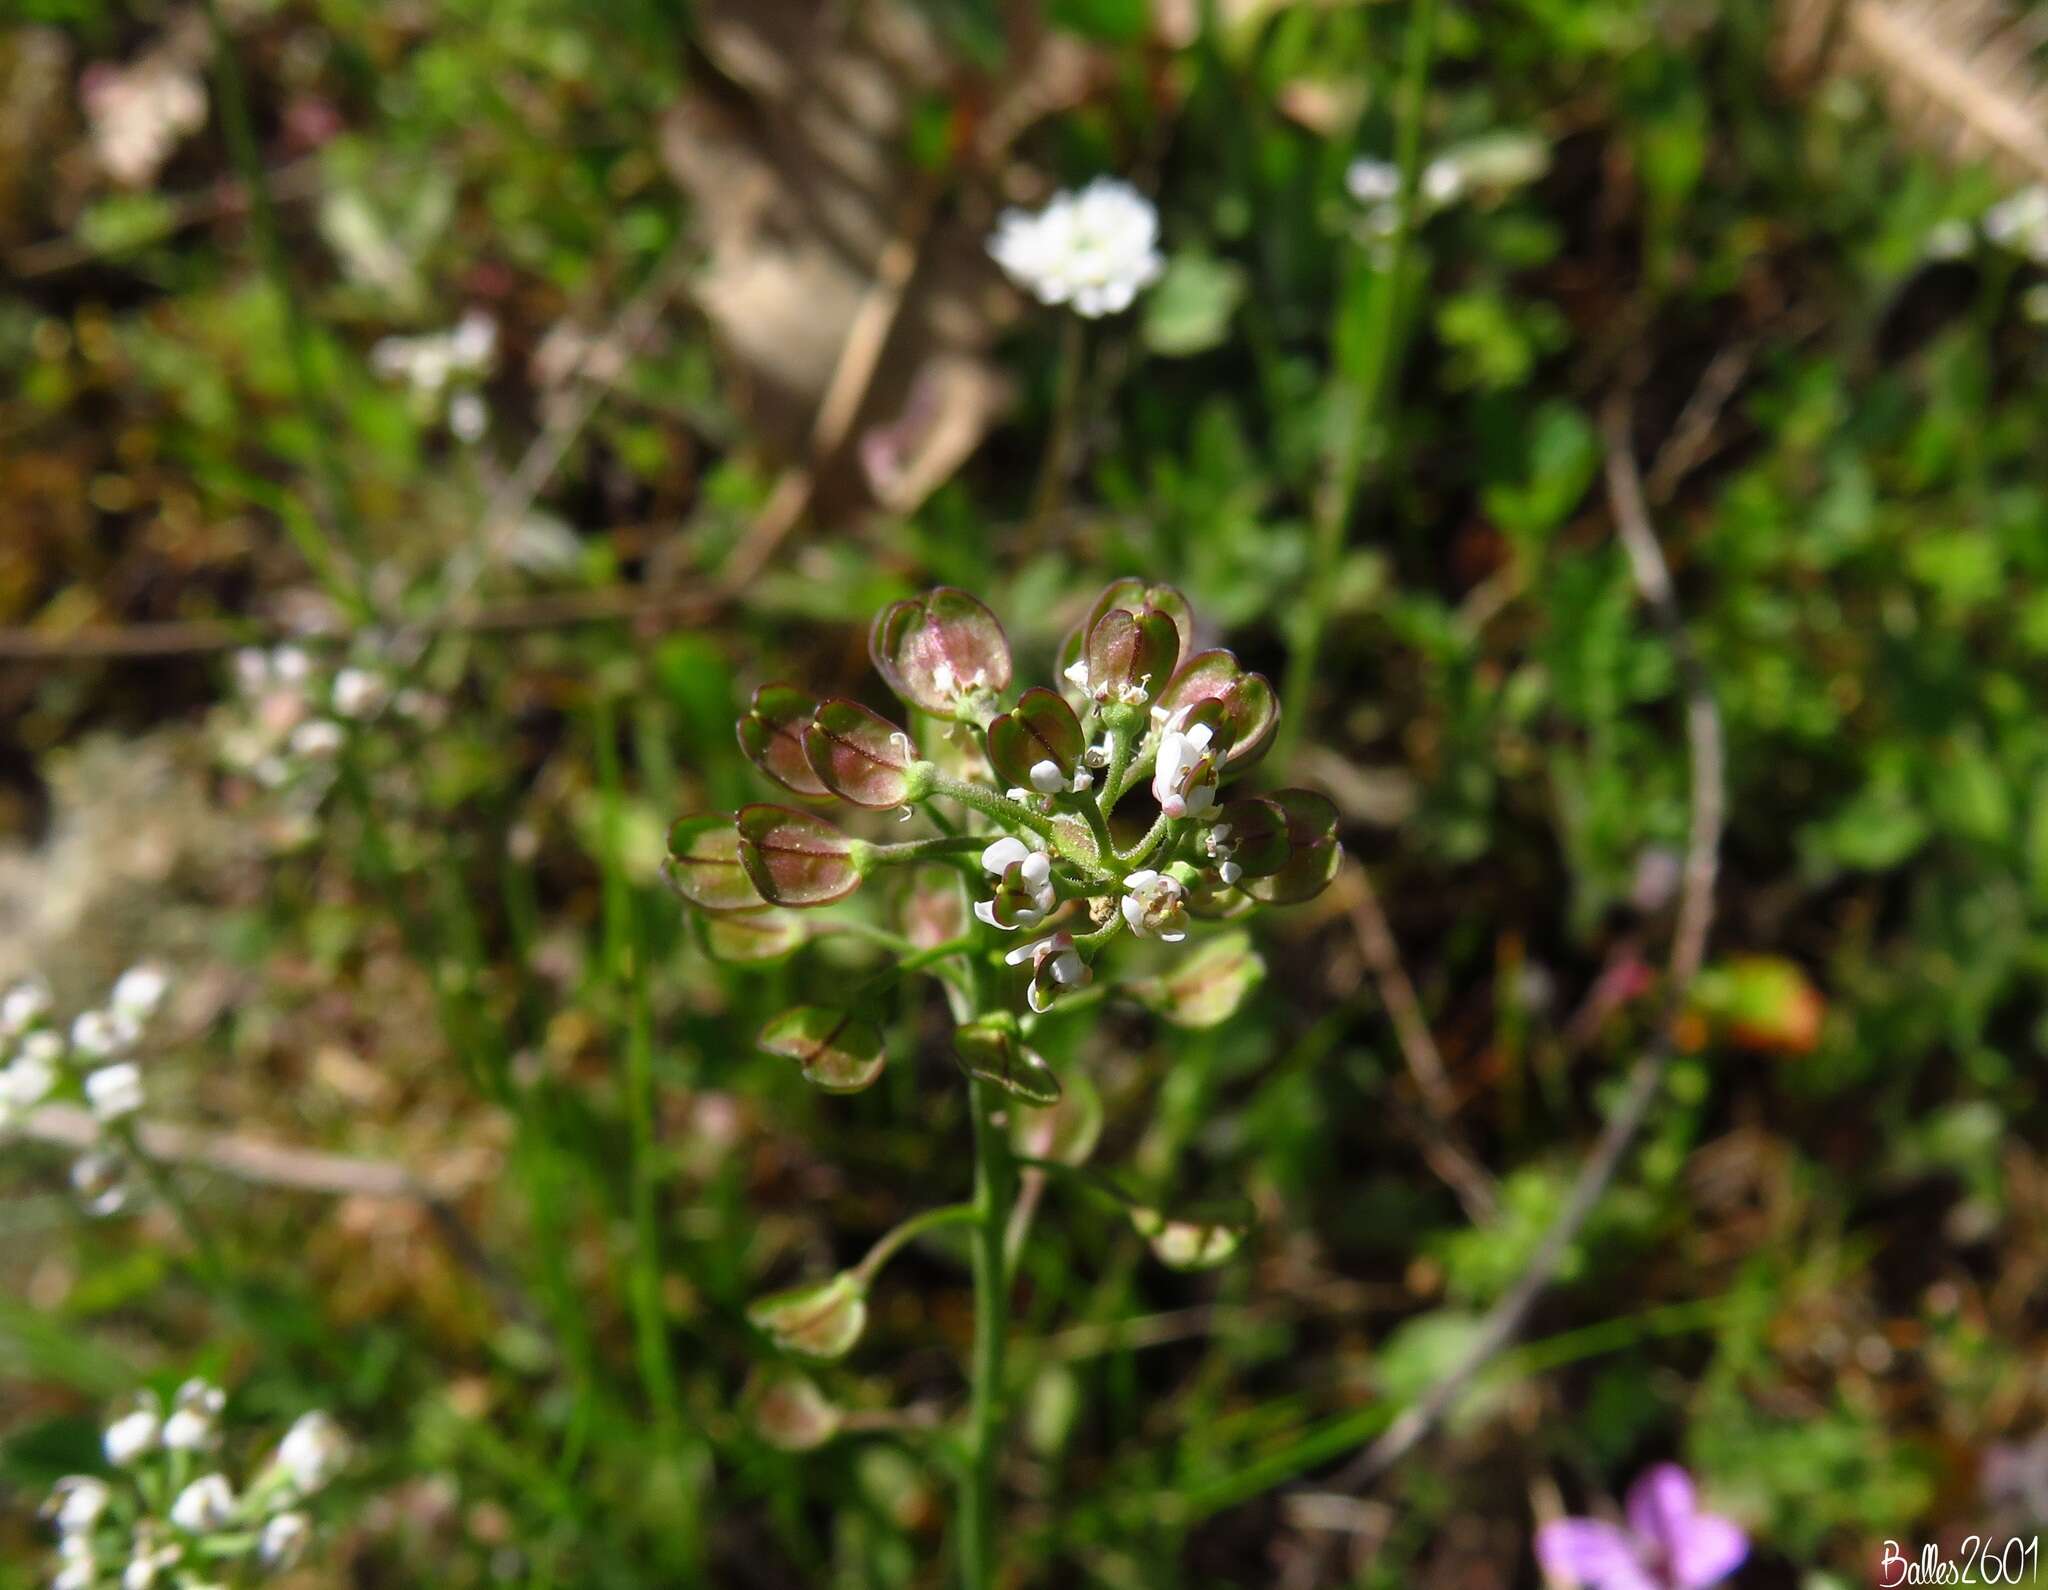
x: 992, y: 1052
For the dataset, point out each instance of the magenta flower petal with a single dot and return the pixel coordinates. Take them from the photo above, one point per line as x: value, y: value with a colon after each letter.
x: 1661, y: 1504
x: 1711, y: 1549
x: 1591, y: 1554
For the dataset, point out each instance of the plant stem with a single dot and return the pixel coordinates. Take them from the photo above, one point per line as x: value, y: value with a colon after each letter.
x: 994, y: 1178
x: 240, y: 129
x: 623, y: 957
x: 1364, y: 392
x: 990, y: 804
x: 940, y: 845
x: 890, y: 1243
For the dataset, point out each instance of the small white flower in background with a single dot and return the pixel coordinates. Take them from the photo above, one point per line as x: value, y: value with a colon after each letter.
x: 317, y: 739
x: 1155, y: 907
x: 1443, y: 182
x: 1095, y: 250
x: 139, y: 991
x: 152, y: 1554
x: 358, y: 692
x: 2020, y: 223
x: 1373, y: 181
x: 23, y: 1005
x: 27, y: 1080
x: 77, y: 1502
x: 205, y: 1505
x: 312, y: 1452
x: 99, y: 1034
x: 138, y: 115
x: 114, y: 1091
x: 1184, y: 777
x: 283, y: 1541
x: 133, y: 1436
x: 194, y: 1424
x: 468, y: 418
x: 101, y: 1182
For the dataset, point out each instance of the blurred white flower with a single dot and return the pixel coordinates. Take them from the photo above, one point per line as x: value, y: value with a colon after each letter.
x: 115, y: 1091
x: 205, y: 1505
x: 139, y: 991
x: 23, y: 1005
x: 468, y: 418
x: 317, y: 739
x: 76, y: 1503
x: 194, y: 1424
x: 25, y: 1083
x: 312, y: 1452
x: 283, y: 1541
x: 98, y: 1034
x: 2020, y: 223
x: 133, y: 1436
x: 1095, y: 250
x: 1373, y: 181
x: 101, y: 1180
x: 358, y: 692
x: 138, y: 114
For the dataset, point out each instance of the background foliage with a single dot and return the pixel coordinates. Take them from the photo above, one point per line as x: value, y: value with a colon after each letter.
x: 1820, y: 1282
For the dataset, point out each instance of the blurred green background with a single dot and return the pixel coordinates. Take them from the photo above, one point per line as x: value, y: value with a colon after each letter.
x: 1753, y: 229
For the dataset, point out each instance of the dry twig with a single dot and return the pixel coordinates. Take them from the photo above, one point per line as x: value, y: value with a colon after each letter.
x: 1688, y: 948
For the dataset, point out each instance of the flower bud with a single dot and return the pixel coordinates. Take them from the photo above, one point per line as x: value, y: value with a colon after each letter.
x: 703, y: 865
x: 312, y: 1452
x: 23, y: 1005
x: 823, y: 1320
x: 283, y: 1541
x: 939, y: 651
x: 205, y: 1505
x: 114, y: 1091
x: 989, y: 1049
x: 195, y: 1412
x: 134, y: 1435
x: 77, y: 1502
x: 1039, y: 745
x: 859, y: 755
x: 772, y: 736
x: 836, y: 1052
x: 794, y: 858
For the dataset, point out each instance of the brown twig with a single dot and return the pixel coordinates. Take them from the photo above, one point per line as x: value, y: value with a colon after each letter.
x: 1688, y: 947
x: 265, y: 1164
x: 1441, y: 1143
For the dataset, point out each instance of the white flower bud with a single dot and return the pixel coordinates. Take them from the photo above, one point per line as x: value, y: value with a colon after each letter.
x: 139, y: 991
x: 23, y: 1005
x: 207, y: 1504
x: 115, y: 1091
x: 77, y: 1502
x: 283, y: 1541
x: 312, y: 1452
x: 132, y: 1436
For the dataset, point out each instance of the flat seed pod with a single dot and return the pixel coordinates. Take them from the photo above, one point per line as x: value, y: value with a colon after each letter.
x: 1314, y: 853
x: 837, y: 1052
x: 1205, y: 988
x: 937, y: 648
x: 794, y: 858
x: 1134, y: 595
x: 704, y: 867
x: 994, y: 1054
x: 1040, y: 728
x: 752, y: 938
x: 1064, y: 1132
x: 858, y: 755
x: 772, y: 734
x: 1131, y: 652
x: 1258, y: 840
x: 1214, y: 688
x: 819, y: 1321
x: 1196, y: 1242
x: 788, y: 1410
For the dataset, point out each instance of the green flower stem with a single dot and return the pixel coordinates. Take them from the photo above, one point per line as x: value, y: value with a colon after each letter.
x: 966, y: 944
x: 926, y: 849
x: 1098, y: 825
x: 1093, y: 1181
x: 892, y: 1242
x: 994, y: 1187
x: 1088, y: 943
x: 1361, y: 398
x: 1121, y: 741
x: 986, y: 801
x: 1135, y: 856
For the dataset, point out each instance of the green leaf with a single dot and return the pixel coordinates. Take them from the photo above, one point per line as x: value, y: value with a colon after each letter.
x: 1205, y: 988
x: 837, y: 1052
x: 1189, y: 310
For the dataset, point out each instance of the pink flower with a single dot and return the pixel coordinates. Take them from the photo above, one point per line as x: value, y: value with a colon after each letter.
x: 1667, y: 1544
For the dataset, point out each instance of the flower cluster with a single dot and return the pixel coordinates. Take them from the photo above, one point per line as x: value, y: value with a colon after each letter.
x: 1493, y: 164
x: 1096, y: 249
x: 445, y: 366
x: 90, y: 1062
x: 1047, y: 775
x: 139, y: 114
x: 288, y: 721
x: 166, y: 1514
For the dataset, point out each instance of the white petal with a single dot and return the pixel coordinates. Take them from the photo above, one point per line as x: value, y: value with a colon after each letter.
x: 1036, y: 868
x: 1047, y: 778
x: 1004, y: 854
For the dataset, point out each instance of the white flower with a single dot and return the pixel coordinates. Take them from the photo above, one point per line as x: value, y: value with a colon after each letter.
x: 283, y: 1540
x: 1373, y: 181
x: 150, y: 1556
x: 289, y: 665
x: 23, y: 1005
x: 358, y: 692
x: 195, y: 1412
x: 312, y: 1452
x: 78, y: 1573
x: 1028, y: 898
x: 474, y: 341
x: 132, y: 1435
x: 1096, y: 249
x: 25, y: 1083
x: 115, y: 1091
x: 138, y: 115
x: 317, y: 739
x: 1443, y: 180
x: 1055, y: 965
x: 468, y: 418
x: 139, y: 991
x: 101, y: 1180
x: 2021, y: 222
x: 205, y: 1505
x: 1153, y: 905
x: 77, y: 1502
x: 99, y: 1034
x: 1184, y: 778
